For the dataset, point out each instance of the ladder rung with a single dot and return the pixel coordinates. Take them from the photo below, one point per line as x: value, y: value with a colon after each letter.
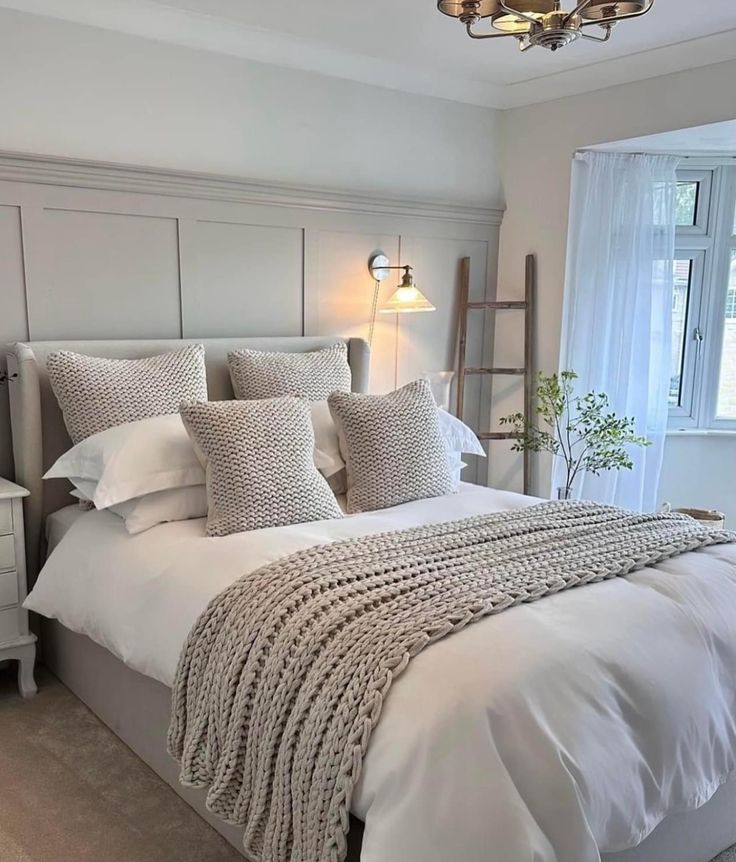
x: 497, y: 305
x: 498, y: 435
x: 494, y: 371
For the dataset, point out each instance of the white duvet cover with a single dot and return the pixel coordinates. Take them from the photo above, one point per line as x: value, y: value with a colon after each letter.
x: 550, y: 733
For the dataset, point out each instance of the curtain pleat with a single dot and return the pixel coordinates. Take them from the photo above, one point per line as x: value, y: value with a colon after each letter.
x: 617, y: 316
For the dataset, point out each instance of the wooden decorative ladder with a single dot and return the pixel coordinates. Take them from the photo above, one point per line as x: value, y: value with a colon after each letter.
x: 527, y: 371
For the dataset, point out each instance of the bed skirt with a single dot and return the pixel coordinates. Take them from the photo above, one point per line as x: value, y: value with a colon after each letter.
x: 137, y: 709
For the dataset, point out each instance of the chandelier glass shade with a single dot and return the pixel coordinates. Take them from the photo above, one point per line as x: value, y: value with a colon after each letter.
x: 510, y: 23
x: 457, y: 9
x: 604, y: 8
x: 543, y: 22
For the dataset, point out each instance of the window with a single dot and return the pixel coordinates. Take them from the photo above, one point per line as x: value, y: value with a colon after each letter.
x: 687, y: 202
x: 683, y: 272
x: 703, y: 366
x: 727, y: 379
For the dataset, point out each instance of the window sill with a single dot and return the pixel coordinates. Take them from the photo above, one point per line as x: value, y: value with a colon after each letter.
x: 700, y: 432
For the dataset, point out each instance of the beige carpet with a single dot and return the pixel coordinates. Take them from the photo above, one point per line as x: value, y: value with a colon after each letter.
x: 70, y: 791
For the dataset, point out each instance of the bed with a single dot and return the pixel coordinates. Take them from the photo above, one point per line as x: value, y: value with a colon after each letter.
x: 410, y: 785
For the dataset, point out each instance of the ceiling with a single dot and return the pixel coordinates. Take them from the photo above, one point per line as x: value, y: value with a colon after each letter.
x: 715, y: 139
x: 408, y: 45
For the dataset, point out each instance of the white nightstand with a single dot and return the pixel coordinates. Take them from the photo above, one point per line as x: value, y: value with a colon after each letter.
x: 16, y: 642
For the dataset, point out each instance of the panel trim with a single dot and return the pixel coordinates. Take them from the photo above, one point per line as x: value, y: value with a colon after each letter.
x: 75, y: 173
x: 24, y: 263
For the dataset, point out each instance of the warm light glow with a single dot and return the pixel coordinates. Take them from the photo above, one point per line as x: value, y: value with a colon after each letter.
x: 533, y: 8
x: 406, y: 300
x: 512, y: 24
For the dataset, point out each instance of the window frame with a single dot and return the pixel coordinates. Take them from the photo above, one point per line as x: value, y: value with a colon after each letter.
x: 686, y: 412
x: 711, y: 241
x: 704, y: 178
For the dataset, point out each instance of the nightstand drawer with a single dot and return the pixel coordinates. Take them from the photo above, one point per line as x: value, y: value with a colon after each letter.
x: 9, y: 624
x: 7, y: 553
x: 6, y: 517
x: 8, y: 589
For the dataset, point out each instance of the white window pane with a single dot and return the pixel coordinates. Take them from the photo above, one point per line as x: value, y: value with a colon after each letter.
x: 680, y: 302
x: 687, y: 203
x: 727, y: 385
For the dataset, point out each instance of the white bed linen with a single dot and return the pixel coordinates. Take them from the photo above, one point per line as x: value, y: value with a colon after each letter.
x: 550, y: 733
x: 60, y: 522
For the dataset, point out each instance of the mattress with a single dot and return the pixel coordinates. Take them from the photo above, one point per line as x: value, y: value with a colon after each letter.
x: 554, y: 731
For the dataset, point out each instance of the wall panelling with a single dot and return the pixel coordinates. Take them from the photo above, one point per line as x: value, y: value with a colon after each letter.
x: 106, y: 251
x: 93, y: 274
x: 241, y: 279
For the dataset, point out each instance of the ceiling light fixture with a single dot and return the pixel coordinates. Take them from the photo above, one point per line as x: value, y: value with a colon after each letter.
x: 542, y: 22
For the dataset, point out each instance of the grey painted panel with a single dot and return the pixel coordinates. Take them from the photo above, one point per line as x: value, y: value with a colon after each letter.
x: 102, y: 275
x: 428, y: 341
x: 241, y: 279
x: 13, y: 324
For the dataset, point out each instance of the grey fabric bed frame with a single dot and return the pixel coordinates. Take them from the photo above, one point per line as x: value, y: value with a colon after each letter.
x: 136, y: 707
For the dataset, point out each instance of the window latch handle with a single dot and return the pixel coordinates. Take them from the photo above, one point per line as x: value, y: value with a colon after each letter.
x: 698, y: 338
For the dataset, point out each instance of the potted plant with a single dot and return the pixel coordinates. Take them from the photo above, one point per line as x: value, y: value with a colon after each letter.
x: 579, y: 429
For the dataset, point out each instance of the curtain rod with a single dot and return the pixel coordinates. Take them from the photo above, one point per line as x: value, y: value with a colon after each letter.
x: 697, y: 156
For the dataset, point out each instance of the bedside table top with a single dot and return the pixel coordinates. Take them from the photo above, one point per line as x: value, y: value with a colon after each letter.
x: 9, y: 490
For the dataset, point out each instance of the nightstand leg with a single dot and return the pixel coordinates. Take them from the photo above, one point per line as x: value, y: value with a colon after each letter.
x: 26, y: 662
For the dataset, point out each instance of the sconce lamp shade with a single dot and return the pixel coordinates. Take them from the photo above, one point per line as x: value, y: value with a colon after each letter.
x: 406, y: 300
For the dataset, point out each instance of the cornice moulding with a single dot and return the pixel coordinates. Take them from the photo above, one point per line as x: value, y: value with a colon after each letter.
x: 76, y: 173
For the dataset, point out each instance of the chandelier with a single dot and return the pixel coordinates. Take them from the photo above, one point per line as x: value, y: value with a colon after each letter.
x: 542, y: 22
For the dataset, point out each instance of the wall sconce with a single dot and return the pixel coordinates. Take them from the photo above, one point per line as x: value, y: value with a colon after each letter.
x: 406, y: 299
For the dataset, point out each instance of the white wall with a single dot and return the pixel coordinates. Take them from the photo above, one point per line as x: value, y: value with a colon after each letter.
x: 700, y: 472
x: 71, y: 90
x: 538, y: 143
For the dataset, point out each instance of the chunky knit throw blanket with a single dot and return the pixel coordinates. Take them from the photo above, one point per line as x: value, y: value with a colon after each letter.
x: 283, y: 677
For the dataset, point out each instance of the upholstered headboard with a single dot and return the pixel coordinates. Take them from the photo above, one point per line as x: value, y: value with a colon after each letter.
x: 39, y: 435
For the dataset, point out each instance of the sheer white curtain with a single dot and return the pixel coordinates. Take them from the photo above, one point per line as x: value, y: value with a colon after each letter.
x: 617, y: 318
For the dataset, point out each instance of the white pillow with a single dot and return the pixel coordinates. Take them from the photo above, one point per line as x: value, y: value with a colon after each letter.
x: 456, y: 465
x: 458, y: 437
x: 327, y: 455
x: 160, y: 507
x: 132, y: 460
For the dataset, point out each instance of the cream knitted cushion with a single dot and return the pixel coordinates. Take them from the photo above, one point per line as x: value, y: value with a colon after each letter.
x: 96, y: 393
x: 259, y: 464
x: 313, y: 375
x: 393, y: 447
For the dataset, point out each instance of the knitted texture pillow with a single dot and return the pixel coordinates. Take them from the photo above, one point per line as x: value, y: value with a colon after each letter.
x: 393, y: 447
x: 96, y: 394
x: 314, y: 375
x: 259, y: 463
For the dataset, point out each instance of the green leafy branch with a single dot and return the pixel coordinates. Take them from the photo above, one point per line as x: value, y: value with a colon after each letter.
x: 580, y: 429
